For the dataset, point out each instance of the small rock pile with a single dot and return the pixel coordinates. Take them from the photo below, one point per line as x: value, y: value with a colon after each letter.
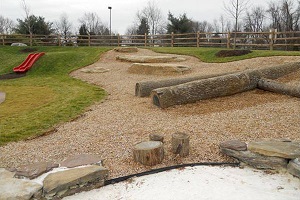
x: 266, y: 154
x: 76, y: 174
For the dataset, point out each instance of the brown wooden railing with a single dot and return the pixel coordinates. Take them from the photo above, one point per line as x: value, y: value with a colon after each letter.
x: 246, y: 40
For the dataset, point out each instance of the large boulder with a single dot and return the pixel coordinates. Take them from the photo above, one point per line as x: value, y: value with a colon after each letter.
x: 34, y: 170
x: 126, y: 49
x: 283, y: 149
x: 12, y: 188
x: 82, y: 159
x: 64, y: 183
x: 151, y: 59
x: 294, y: 167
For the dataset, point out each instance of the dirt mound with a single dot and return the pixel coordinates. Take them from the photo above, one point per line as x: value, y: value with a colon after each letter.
x: 28, y: 50
x: 229, y: 53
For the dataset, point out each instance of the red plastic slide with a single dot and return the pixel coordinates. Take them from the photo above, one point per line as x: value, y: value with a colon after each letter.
x: 27, y: 64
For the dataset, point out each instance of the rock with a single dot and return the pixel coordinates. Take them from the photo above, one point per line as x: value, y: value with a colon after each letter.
x: 150, y: 59
x: 156, y: 137
x: 18, y: 44
x: 158, y: 69
x: 288, y: 150
x: 236, y: 145
x: 64, y: 183
x: 126, y: 49
x: 6, y: 174
x: 256, y: 160
x: 12, y: 188
x: 34, y: 170
x: 2, y: 97
x: 79, y: 160
x: 294, y: 167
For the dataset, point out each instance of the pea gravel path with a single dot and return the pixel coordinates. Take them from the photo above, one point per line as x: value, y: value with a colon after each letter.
x: 112, y: 127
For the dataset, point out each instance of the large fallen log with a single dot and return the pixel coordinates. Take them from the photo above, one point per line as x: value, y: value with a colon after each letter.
x: 281, y: 88
x: 143, y: 89
x: 217, y: 86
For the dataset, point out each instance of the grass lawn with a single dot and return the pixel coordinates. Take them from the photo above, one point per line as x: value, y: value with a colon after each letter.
x: 47, y: 95
x: 208, y: 54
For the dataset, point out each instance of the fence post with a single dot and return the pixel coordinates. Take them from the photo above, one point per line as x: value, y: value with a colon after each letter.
x: 89, y: 40
x: 3, y: 42
x: 198, y: 39
x: 59, y: 40
x: 119, y: 40
x: 272, y: 36
x: 145, y: 39
x: 172, y: 39
x: 228, y: 40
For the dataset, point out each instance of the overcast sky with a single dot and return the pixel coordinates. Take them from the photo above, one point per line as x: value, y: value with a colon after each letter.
x: 123, y: 11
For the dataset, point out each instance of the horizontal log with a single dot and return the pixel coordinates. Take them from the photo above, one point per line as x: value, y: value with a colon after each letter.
x: 205, y: 89
x: 220, y: 86
x: 143, y: 89
x: 281, y: 88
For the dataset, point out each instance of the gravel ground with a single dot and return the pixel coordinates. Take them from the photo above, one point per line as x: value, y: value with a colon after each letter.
x: 112, y: 127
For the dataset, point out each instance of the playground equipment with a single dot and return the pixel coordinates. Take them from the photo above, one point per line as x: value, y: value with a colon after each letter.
x: 28, y: 62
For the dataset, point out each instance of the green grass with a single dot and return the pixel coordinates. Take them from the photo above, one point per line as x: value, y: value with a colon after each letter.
x: 47, y: 95
x: 208, y: 54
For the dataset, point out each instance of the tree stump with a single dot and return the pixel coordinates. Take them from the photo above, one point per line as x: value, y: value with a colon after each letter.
x: 156, y: 137
x: 149, y: 153
x: 181, y: 144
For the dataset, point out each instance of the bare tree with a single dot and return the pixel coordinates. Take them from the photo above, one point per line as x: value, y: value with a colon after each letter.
x: 255, y: 20
x: 93, y: 24
x: 64, y: 26
x: 6, y: 25
x: 153, y: 15
x: 235, y: 8
x: 28, y: 23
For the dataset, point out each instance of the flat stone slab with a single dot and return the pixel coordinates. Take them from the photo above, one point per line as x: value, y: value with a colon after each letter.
x: 294, y: 167
x: 95, y: 70
x: 282, y: 149
x: 256, y: 160
x: 64, y: 183
x: 158, y: 69
x: 80, y: 160
x: 150, y: 59
x: 236, y: 145
x: 34, y: 170
x: 12, y: 188
x: 156, y: 137
x: 6, y: 174
x: 126, y: 49
x: 2, y: 97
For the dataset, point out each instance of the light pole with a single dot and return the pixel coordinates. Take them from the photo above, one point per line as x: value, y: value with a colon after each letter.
x: 109, y: 7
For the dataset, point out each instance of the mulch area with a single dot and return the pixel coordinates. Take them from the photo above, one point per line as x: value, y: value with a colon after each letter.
x: 12, y: 76
x: 229, y: 53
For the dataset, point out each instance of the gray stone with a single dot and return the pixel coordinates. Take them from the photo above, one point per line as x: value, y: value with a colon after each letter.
x: 158, y: 69
x: 34, y: 170
x: 236, y: 145
x: 82, y: 159
x: 294, y: 167
x: 126, y: 49
x: 256, y: 160
x: 18, y: 44
x: 2, y: 97
x: 288, y: 150
x: 156, y: 137
x: 64, y: 183
x: 151, y: 59
x: 12, y: 189
x: 6, y: 174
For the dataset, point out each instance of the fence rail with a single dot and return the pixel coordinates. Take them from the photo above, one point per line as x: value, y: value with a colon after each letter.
x: 246, y: 40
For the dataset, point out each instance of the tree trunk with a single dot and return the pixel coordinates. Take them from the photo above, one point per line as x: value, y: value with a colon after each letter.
x: 143, y: 89
x: 181, y: 144
x: 220, y: 86
x: 149, y: 153
x: 281, y: 88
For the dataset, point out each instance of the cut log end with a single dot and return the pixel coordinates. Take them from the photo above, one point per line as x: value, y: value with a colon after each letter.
x: 149, y: 153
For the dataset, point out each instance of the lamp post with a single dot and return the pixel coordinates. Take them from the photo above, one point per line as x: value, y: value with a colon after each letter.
x: 109, y: 7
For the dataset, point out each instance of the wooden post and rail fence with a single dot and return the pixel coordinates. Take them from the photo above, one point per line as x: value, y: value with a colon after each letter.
x: 245, y: 40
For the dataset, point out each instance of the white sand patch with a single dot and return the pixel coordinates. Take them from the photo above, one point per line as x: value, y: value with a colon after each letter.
x: 201, y: 182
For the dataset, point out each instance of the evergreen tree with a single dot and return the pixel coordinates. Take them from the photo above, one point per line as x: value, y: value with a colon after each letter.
x: 179, y: 25
x: 38, y: 26
x: 143, y: 27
